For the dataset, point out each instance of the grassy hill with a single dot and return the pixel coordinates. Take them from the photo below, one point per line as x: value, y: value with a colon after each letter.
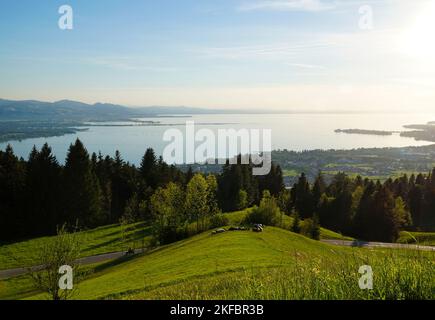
x: 275, y: 264
x: 96, y: 241
x: 110, y: 239
x: 421, y: 238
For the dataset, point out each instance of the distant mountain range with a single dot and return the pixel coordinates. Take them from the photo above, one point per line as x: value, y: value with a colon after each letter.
x: 68, y: 110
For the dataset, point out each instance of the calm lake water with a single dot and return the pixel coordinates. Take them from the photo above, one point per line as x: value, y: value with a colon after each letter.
x: 289, y: 131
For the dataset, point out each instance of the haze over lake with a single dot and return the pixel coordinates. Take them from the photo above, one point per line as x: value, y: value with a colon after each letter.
x: 289, y: 131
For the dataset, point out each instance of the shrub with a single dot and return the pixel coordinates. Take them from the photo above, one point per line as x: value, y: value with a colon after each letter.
x: 170, y: 234
x: 296, y: 224
x: 267, y: 213
x: 218, y: 220
x: 311, y: 228
x: 242, y: 202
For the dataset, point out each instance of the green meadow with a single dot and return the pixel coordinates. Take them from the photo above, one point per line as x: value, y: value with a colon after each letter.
x: 96, y: 241
x: 274, y: 264
x: 420, y: 238
x: 112, y: 239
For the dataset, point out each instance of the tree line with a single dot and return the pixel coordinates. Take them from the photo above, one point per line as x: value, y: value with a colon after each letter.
x: 367, y: 209
x: 38, y: 195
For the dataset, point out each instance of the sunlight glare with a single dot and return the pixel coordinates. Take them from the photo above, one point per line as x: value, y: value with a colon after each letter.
x: 418, y: 41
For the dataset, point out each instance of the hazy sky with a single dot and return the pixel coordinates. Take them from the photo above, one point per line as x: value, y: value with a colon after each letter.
x: 275, y: 54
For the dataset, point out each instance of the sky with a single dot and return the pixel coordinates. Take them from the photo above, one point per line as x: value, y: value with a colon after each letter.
x: 289, y: 55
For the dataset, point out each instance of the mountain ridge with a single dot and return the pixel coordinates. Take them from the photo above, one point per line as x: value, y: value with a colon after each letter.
x: 79, y: 111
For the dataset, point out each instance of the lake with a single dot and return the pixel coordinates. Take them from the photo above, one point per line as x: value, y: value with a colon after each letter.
x: 289, y: 131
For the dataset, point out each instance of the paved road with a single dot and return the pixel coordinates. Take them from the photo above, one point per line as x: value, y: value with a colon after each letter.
x: 10, y: 273
x: 361, y: 244
x: 5, y: 274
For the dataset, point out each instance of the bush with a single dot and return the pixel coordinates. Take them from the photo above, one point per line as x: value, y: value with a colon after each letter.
x: 218, y: 220
x: 296, y: 224
x: 242, y: 202
x: 267, y: 213
x: 170, y: 234
x: 311, y: 229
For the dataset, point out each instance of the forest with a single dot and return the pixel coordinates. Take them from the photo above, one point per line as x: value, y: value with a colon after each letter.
x: 38, y: 195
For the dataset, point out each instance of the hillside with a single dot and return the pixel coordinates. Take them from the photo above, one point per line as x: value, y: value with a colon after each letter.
x: 69, y: 110
x: 421, y: 238
x: 63, y: 110
x: 110, y: 239
x: 20, y: 120
x: 96, y: 241
x: 268, y: 265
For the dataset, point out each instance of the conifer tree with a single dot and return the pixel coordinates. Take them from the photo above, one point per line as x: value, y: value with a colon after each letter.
x: 82, y: 189
x: 319, y: 189
x: 296, y: 227
x: 12, y: 184
x: 148, y: 168
x: 303, y: 200
x: 43, y: 192
x: 315, y: 231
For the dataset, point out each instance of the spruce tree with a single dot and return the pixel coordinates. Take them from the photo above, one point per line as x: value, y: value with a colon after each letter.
x: 296, y: 224
x: 319, y: 189
x: 148, y: 168
x: 315, y: 231
x: 82, y: 190
x: 303, y: 197
x: 13, y: 222
x: 43, y: 192
x: 384, y: 223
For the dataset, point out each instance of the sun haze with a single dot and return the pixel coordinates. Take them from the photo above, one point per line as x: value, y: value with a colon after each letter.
x: 259, y: 54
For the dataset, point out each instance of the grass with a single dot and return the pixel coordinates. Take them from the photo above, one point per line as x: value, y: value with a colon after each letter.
x: 349, y: 165
x: 421, y: 238
x: 96, y: 241
x: 275, y: 264
x: 353, y: 175
x: 290, y: 173
x: 22, y: 287
x: 236, y: 218
x: 302, y: 281
x: 16, y: 288
x: 109, y: 239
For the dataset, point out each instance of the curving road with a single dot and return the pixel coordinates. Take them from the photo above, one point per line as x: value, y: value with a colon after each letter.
x: 364, y: 244
x: 10, y: 273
